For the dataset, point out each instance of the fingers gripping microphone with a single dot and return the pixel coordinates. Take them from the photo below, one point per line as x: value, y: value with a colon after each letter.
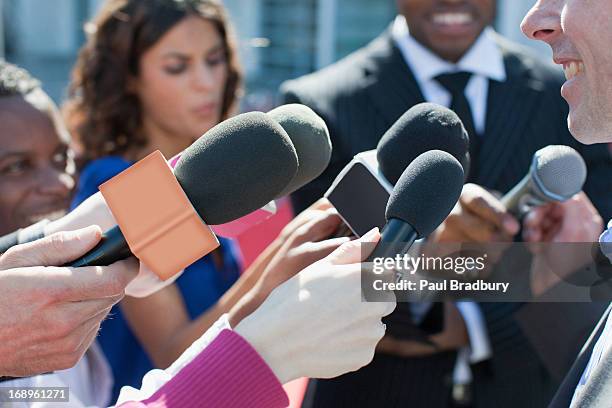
x: 233, y: 169
x: 557, y: 172
x: 422, y: 198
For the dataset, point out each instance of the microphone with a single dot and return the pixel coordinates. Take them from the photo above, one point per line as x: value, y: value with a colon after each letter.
x: 556, y: 173
x: 232, y: 170
x: 424, y: 127
x: 371, y: 175
x: 310, y: 138
x: 422, y: 198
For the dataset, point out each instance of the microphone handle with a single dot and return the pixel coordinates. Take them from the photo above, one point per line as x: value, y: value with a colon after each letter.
x: 112, y: 248
x: 512, y: 199
x: 396, y: 238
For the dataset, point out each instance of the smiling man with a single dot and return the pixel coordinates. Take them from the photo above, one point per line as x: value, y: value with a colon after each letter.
x: 579, y: 33
x: 445, y: 51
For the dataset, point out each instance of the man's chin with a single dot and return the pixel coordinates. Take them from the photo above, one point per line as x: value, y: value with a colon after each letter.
x: 586, y: 133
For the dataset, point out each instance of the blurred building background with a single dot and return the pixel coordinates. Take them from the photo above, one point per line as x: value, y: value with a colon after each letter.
x: 279, y: 39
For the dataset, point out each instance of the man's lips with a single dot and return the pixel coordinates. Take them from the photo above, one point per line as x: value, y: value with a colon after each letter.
x: 572, y: 67
x: 453, y: 23
x: 452, y: 18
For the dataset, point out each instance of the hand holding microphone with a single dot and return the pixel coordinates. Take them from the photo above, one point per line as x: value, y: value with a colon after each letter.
x: 302, y: 242
x: 478, y: 216
x: 49, y: 315
x: 315, y: 324
x: 557, y: 172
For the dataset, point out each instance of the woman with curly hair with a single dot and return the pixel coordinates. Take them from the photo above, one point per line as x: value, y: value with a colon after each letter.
x: 154, y: 75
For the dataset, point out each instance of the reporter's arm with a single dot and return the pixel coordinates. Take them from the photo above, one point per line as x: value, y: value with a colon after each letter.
x: 167, y: 336
x: 221, y: 355
x: 303, y: 337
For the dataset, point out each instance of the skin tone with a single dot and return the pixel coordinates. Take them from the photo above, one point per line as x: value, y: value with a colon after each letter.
x: 447, y: 27
x: 36, y: 168
x: 180, y: 86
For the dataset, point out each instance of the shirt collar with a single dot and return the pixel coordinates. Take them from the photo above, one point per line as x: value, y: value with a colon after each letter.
x: 483, y: 58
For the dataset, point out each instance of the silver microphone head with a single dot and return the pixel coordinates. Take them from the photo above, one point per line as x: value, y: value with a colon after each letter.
x: 557, y: 173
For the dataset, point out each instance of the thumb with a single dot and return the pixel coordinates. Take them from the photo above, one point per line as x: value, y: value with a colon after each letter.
x: 351, y: 252
x: 54, y: 250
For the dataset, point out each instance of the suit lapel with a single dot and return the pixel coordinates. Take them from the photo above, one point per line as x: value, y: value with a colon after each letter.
x: 389, y: 81
x: 509, y: 107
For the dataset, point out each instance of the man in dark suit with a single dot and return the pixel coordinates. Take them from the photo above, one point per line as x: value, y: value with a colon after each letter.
x: 442, y: 51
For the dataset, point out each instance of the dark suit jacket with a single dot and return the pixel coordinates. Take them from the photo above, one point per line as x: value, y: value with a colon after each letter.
x: 360, y: 97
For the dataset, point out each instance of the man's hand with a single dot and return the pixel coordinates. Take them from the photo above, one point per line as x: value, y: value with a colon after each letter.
x: 49, y: 315
x: 548, y: 227
x: 574, y: 220
x: 478, y: 216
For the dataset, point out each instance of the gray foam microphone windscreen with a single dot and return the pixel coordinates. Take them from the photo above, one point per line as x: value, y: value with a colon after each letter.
x: 310, y: 136
x: 237, y: 167
x: 559, y: 172
x: 556, y: 173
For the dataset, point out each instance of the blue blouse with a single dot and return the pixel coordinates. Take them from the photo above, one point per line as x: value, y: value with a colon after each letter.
x: 201, y: 285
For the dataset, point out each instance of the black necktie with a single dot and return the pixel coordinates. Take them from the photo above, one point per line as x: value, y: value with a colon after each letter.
x: 455, y: 83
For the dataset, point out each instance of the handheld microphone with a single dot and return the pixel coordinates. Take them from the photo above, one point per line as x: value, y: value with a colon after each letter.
x: 310, y: 138
x: 556, y: 173
x: 232, y: 170
x: 424, y: 127
x: 371, y: 175
x: 422, y: 198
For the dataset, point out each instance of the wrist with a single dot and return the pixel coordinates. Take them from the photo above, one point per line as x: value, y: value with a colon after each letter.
x: 245, y: 306
x: 269, y: 344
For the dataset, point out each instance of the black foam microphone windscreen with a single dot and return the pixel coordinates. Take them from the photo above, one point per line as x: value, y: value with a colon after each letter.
x: 424, y: 127
x: 310, y: 136
x: 237, y: 167
x: 427, y: 191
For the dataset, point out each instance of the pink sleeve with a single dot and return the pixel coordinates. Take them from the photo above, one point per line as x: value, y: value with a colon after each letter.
x: 227, y: 373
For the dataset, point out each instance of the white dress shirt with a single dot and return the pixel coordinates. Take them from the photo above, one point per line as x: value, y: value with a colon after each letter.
x: 484, y: 60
